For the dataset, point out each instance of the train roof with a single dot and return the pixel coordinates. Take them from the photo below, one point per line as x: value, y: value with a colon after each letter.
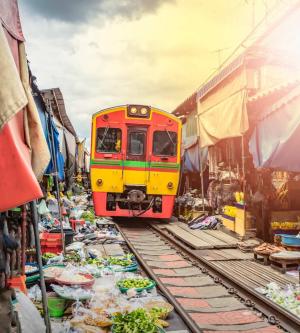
x: 170, y: 115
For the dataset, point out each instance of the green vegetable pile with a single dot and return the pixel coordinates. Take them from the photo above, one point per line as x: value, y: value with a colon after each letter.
x: 134, y: 283
x: 138, y: 321
x: 48, y: 255
x: 159, y: 312
x: 88, y: 216
x: 95, y: 261
x: 73, y: 257
x: 119, y: 261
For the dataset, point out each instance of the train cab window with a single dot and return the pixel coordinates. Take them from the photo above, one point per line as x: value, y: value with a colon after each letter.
x: 136, y: 144
x: 164, y: 143
x: 109, y: 140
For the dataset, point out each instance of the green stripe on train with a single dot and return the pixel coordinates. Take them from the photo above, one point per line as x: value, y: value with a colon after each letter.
x: 136, y: 164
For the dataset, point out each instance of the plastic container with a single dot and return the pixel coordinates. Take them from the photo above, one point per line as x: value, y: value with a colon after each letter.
x: 130, y: 268
x: 149, y: 287
x: 51, y: 249
x: 56, y: 306
x: 69, y: 233
x: 290, y: 240
x: 18, y: 282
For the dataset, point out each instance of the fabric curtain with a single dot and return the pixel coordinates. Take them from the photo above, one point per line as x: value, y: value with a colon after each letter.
x: 70, y: 144
x: 35, y: 139
x: 275, y: 140
x: 222, y: 113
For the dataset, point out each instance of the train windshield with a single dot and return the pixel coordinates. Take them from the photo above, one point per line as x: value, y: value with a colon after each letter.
x: 164, y: 143
x: 137, y: 143
x: 109, y: 140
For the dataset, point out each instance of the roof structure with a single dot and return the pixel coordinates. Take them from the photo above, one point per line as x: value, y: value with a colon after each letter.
x: 58, y: 107
x: 189, y: 105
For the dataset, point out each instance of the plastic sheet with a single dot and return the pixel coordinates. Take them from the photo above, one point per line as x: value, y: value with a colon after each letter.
x: 30, y: 319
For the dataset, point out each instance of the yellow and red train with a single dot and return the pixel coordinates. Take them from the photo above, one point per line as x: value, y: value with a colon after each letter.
x: 135, y: 161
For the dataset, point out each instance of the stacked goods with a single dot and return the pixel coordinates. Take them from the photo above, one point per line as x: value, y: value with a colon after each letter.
x: 292, y: 225
x: 51, y: 242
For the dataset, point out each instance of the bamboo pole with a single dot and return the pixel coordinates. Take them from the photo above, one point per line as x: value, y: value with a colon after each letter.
x: 35, y: 220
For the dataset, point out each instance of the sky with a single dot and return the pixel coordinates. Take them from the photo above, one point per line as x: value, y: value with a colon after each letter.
x: 103, y: 53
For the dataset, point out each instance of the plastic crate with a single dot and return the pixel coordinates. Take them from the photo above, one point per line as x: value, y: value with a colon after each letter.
x: 18, y: 282
x: 51, y: 249
x: 50, y: 239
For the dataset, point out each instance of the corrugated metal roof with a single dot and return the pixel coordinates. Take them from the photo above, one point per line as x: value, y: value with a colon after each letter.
x: 58, y: 106
x: 285, y: 86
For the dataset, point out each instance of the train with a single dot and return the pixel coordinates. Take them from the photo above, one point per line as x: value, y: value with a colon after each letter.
x: 135, y: 161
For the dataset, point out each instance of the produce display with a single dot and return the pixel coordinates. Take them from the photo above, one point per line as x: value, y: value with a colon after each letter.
x: 292, y: 225
x: 30, y: 269
x: 52, y: 272
x: 48, y: 255
x: 288, y: 297
x: 161, y: 309
x: 120, y: 261
x: 73, y: 257
x: 76, y: 278
x: 88, y: 216
x: 138, y: 321
x: 266, y: 248
x: 136, y: 283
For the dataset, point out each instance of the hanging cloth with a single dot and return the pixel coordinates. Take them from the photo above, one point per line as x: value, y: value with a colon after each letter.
x: 12, y: 94
x: 35, y: 139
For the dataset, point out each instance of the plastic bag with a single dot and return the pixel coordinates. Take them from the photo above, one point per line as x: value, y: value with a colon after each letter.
x: 42, y: 208
x: 30, y: 318
x: 35, y: 293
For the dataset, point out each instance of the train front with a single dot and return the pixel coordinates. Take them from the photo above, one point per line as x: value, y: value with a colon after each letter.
x: 135, y: 161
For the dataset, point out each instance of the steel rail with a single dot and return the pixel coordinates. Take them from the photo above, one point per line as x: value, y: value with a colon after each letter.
x: 276, y: 314
x: 179, y: 309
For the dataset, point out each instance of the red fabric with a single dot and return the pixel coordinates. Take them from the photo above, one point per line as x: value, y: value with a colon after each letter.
x: 18, y: 183
x: 9, y: 15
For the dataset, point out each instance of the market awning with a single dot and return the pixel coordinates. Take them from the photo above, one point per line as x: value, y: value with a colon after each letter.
x: 222, y: 113
x: 275, y: 140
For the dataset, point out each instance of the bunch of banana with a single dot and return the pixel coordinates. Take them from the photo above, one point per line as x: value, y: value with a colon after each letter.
x: 285, y: 225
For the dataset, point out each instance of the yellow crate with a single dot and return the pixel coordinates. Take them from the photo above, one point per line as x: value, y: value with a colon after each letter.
x: 228, y: 222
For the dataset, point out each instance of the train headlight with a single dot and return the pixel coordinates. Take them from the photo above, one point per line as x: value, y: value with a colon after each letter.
x: 144, y: 111
x: 170, y: 185
x: 99, y: 182
x: 133, y: 110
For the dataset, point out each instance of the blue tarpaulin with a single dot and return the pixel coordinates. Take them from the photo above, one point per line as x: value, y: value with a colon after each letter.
x: 275, y: 141
x: 48, y: 125
x: 192, y: 156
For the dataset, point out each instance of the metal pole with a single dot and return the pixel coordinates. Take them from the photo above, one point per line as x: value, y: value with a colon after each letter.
x: 35, y: 220
x: 244, y: 176
x: 200, y: 155
x: 56, y: 176
x: 23, y: 239
x: 202, y: 184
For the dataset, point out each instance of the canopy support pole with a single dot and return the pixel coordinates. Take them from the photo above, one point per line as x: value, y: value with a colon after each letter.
x: 244, y: 175
x: 56, y: 177
x: 202, y: 178
x: 35, y: 220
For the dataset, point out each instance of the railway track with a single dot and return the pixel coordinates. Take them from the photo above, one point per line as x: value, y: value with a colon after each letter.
x: 206, y: 297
